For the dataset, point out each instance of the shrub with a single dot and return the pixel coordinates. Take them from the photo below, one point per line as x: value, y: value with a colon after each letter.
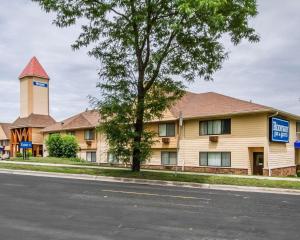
x: 19, y: 155
x: 69, y: 146
x: 54, y: 145
x: 62, y: 146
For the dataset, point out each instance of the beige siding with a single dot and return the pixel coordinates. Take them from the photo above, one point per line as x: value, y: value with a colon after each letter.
x: 37, y: 136
x: 283, y: 154
x: 24, y: 98
x: 40, y: 97
x: 158, y: 143
x: 102, y: 149
x: 246, y: 132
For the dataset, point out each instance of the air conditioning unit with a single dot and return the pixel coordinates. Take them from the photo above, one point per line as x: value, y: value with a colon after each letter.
x: 166, y: 140
x: 213, y: 139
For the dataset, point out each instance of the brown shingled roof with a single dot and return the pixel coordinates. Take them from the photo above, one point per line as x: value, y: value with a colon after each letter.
x: 34, y: 120
x: 6, y: 129
x: 212, y: 104
x: 87, y: 119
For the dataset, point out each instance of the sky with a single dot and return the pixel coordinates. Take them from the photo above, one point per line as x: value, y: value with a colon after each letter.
x: 267, y: 72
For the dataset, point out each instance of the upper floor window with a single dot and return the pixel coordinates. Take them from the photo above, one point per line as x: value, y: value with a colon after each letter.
x: 215, y: 127
x: 298, y: 127
x: 167, y: 130
x: 89, y: 134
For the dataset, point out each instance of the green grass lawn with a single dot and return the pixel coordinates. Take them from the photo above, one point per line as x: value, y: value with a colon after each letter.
x: 71, y: 161
x: 161, y: 176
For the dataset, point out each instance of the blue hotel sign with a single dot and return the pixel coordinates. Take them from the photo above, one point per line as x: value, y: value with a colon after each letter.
x: 40, y: 84
x: 25, y: 145
x: 279, y: 130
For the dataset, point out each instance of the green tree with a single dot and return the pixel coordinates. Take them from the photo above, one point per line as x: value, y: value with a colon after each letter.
x: 70, y: 146
x: 142, y: 45
x: 54, y: 145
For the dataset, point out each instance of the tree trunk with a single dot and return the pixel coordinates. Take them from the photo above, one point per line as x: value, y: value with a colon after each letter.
x: 139, y: 127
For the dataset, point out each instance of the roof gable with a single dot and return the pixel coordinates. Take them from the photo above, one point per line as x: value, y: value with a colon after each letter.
x: 34, y: 69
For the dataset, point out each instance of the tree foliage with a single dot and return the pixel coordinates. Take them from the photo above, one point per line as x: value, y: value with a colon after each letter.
x: 149, y: 50
x: 62, y: 146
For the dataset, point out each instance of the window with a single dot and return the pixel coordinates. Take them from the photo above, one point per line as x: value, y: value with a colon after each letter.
x: 167, y: 129
x: 298, y: 127
x: 215, y: 159
x: 71, y: 133
x: 168, y: 158
x: 89, y: 134
x: 215, y: 127
x: 112, y: 158
x: 91, y: 156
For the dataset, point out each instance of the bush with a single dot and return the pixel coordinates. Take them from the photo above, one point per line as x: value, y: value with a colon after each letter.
x: 19, y: 155
x: 54, y: 145
x: 59, y: 146
x: 70, y: 146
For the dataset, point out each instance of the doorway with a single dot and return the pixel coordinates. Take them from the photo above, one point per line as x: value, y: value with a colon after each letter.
x: 258, y: 163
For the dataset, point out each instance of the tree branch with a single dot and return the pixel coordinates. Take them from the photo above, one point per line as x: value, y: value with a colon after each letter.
x: 164, y: 54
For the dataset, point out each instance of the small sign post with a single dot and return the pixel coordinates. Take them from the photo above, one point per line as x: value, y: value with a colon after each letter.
x: 25, y: 145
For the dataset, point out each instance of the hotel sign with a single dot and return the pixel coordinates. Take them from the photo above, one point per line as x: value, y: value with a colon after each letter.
x: 279, y: 130
x: 25, y: 145
x: 40, y: 84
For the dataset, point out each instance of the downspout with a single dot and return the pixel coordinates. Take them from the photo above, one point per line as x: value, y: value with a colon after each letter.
x: 274, y: 115
x: 180, y: 124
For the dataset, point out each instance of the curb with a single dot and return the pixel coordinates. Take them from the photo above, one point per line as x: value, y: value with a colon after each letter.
x: 152, y: 182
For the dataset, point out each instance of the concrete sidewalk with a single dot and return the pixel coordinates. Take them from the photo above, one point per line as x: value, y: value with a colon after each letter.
x: 153, y: 182
x: 149, y: 170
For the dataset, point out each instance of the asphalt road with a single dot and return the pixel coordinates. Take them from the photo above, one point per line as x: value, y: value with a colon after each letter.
x: 49, y: 208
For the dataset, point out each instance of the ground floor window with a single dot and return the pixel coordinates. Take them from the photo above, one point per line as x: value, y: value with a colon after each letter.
x: 91, y: 156
x: 215, y: 159
x: 168, y: 158
x: 112, y: 158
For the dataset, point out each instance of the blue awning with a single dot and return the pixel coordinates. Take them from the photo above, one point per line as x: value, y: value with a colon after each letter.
x: 297, y: 144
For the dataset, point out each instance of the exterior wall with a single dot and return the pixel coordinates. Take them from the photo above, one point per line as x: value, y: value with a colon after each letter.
x: 102, y: 149
x: 33, y: 99
x: 283, y: 155
x: 24, y: 97
x: 37, y: 136
x: 40, y: 98
x: 247, y: 132
x: 154, y: 127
